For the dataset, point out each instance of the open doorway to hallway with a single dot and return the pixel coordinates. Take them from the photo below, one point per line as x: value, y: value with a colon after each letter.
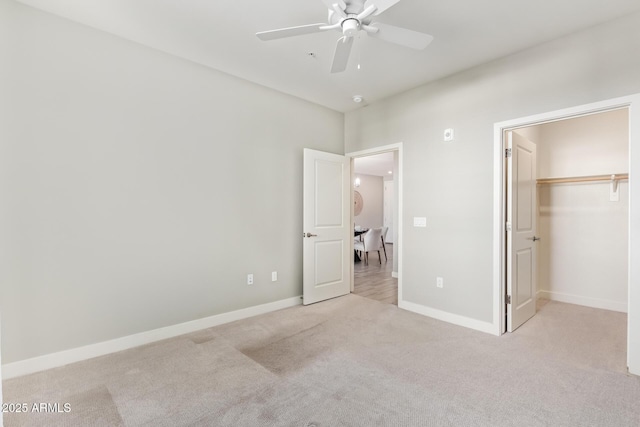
x: 376, y: 207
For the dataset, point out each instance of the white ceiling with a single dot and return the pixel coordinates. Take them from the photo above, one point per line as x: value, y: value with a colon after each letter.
x: 221, y: 34
x: 377, y: 164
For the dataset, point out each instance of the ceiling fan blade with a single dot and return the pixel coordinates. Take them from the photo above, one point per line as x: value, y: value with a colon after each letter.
x: 381, y: 5
x: 341, y: 56
x: 401, y: 36
x: 367, y: 12
x: 290, y: 32
x: 339, y: 10
x: 329, y: 3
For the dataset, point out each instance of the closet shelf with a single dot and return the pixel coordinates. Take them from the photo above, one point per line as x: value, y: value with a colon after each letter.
x: 611, y: 178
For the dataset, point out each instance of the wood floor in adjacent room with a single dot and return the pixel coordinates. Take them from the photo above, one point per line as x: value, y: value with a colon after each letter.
x: 374, y: 280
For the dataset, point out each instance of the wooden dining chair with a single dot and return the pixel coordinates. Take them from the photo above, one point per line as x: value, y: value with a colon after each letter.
x: 384, y: 240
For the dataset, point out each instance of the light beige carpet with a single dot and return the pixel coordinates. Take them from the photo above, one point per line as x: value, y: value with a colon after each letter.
x: 353, y: 362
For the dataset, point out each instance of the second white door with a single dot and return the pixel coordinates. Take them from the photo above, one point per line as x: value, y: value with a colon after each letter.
x: 521, y: 230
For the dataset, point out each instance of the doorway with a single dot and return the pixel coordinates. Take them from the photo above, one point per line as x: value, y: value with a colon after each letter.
x: 377, y: 194
x: 581, y: 217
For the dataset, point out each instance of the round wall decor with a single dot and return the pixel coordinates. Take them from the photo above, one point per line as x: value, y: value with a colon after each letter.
x: 358, y: 203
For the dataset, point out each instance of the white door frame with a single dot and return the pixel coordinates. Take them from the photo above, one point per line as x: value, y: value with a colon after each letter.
x: 632, y: 102
x: 398, y: 177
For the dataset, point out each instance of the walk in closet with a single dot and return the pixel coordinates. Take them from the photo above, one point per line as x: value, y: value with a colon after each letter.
x: 583, y: 209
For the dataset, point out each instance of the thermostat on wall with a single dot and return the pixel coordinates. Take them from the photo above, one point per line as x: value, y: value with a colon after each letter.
x: 448, y: 134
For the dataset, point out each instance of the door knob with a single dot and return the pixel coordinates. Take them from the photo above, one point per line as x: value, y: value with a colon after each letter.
x: 534, y: 238
x: 309, y: 235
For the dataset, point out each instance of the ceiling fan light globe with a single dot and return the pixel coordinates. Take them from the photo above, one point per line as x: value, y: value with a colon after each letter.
x: 350, y: 27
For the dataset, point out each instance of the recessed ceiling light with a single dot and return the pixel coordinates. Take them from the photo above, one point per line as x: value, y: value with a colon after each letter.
x: 390, y: 172
x: 357, y: 98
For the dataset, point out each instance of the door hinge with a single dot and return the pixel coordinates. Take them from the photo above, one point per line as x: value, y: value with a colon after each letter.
x: 507, y: 153
x: 508, y: 299
x: 507, y: 226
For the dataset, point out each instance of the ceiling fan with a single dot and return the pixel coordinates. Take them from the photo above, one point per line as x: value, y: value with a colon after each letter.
x: 349, y: 17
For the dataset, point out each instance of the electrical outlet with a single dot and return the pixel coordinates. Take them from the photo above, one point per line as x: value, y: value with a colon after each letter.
x: 439, y: 282
x: 249, y: 279
x: 274, y: 276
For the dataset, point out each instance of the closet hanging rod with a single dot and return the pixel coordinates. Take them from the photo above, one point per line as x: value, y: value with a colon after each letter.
x: 612, y: 177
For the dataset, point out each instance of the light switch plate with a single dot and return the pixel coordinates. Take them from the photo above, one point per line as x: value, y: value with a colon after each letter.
x: 419, y: 221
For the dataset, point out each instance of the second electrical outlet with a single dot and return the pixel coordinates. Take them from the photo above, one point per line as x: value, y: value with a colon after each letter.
x: 439, y: 282
x: 249, y: 279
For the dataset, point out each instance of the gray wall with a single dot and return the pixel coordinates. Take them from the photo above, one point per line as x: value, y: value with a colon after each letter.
x: 452, y: 183
x: 138, y: 190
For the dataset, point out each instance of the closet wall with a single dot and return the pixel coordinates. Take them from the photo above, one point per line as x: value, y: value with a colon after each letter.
x: 583, y: 254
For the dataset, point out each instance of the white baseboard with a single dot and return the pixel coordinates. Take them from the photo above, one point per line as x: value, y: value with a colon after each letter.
x: 456, y: 319
x: 586, y: 301
x: 54, y: 360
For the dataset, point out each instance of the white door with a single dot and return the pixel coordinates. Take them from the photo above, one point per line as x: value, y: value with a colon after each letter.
x: 521, y: 231
x: 326, y: 226
x: 387, y: 219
